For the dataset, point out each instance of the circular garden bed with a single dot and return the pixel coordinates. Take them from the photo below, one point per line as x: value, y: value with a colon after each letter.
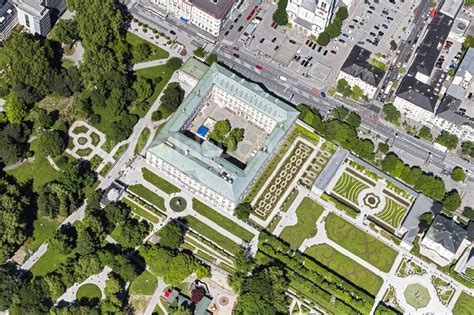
x: 178, y: 204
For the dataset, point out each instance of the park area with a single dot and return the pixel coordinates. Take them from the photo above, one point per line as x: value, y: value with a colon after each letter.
x: 88, y: 294
x: 159, y: 182
x: 360, y: 243
x: 464, y: 305
x: 308, y: 212
x: 143, y: 50
x: 346, y: 267
x: 349, y: 187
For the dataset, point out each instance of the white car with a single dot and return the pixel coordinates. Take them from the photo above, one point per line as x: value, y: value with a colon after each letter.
x: 283, y: 78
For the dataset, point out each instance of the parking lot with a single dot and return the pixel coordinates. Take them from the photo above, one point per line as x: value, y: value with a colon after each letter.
x: 371, y: 25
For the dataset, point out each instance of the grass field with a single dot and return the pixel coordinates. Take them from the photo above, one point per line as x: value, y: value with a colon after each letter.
x: 144, y: 284
x: 142, y: 140
x: 49, y: 262
x: 349, y: 187
x: 43, y: 229
x: 120, y: 151
x: 346, y: 267
x: 141, y: 212
x: 393, y: 213
x: 159, y: 182
x: 90, y: 291
x: 156, y: 52
x: 148, y: 195
x: 360, y: 243
x: 308, y: 212
x: 213, y: 235
x: 222, y: 221
x: 464, y: 305
x: 160, y: 76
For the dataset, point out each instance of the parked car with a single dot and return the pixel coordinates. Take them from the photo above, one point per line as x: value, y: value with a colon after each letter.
x: 274, y: 39
x: 376, y: 27
x: 325, y: 53
x: 262, y: 40
x: 172, y: 32
x: 258, y: 67
x: 333, y: 52
x: 341, y: 40
x: 384, y: 26
x: 373, y: 34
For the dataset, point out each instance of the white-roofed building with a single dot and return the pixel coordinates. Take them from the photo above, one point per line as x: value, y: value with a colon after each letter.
x: 310, y: 16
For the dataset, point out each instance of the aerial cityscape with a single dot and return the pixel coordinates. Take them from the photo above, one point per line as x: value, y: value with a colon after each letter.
x: 236, y: 157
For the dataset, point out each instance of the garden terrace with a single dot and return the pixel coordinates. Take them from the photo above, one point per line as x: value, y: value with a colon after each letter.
x: 360, y: 243
x: 349, y: 188
x: 443, y: 289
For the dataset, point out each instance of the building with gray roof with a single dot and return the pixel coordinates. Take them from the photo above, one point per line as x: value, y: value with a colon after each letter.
x: 183, y: 151
x: 8, y: 19
x: 444, y: 241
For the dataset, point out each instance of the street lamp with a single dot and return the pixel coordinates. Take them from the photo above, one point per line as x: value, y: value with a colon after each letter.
x: 395, y: 138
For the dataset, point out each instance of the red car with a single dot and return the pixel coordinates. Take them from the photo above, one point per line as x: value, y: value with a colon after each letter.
x: 259, y: 68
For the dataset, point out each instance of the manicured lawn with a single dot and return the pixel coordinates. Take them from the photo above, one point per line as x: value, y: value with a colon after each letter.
x: 213, y: 235
x: 39, y: 170
x: 160, y: 76
x: 120, y: 151
x: 349, y: 187
x: 346, y: 267
x: 222, y: 221
x: 393, y: 213
x: 90, y: 291
x: 144, y: 284
x: 49, y: 262
x: 148, y: 195
x: 43, y: 229
x: 141, y: 212
x: 360, y: 243
x: 308, y: 212
x: 464, y: 305
x: 142, y: 140
x: 156, y: 52
x: 159, y: 182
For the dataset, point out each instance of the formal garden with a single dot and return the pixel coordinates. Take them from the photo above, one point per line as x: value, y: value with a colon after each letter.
x: 318, y: 163
x: 308, y: 212
x: 464, y: 305
x: 360, y: 243
x: 409, y: 268
x: 349, y: 187
x: 282, y: 179
x: 444, y: 290
x: 393, y: 213
x: 346, y: 267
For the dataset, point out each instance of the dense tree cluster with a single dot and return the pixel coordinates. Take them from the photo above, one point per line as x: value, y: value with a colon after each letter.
x: 333, y: 30
x: 172, y: 235
x: 340, y: 128
x: 172, y: 97
x: 14, y: 140
x: 425, y: 133
x: 222, y: 132
x: 468, y: 148
x: 447, y: 139
x: 346, y: 90
x: 243, y: 211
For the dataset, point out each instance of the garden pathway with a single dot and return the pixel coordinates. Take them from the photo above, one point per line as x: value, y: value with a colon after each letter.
x: 88, y: 144
x: 155, y: 299
x: 97, y: 279
x: 149, y: 64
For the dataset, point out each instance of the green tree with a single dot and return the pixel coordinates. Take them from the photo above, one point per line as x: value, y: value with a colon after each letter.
x: 66, y: 31
x: 64, y: 240
x: 343, y: 88
x: 334, y: 29
x: 220, y: 129
x: 131, y: 232
x: 452, y: 201
x: 280, y: 16
x: 171, y: 99
x: 392, y: 165
x: 86, y: 242
x: 323, y: 39
x: 141, y: 51
x: 174, y: 63
x: 16, y: 110
x: 458, y: 174
x: 116, y: 213
x: 468, y: 212
x: 143, y: 88
x: 425, y: 133
x: 10, y: 284
x: 14, y: 140
x: 392, y: 114
x: 13, y: 208
x: 342, y: 13
x: 211, y: 59
x: 33, y: 298
x: 393, y: 45
x: 199, y: 52
x: 243, y: 211
x: 157, y: 116
x: 171, y: 235
x: 41, y: 119
x: 447, y: 139
x: 357, y: 93
x: 468, y: 148
x: 383, y: 147
x: 51, y: 143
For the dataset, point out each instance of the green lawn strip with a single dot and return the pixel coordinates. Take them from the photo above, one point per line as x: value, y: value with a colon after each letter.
x: 274, y: 223
x: 289, y: 200
x: 213, y: 235
x: 308, y: 212
x: 95, y: 162
x: 144, y: 284
x: 346, y: 267
x: 120, y: 151
x: 188, y: 247
x: 148, y: 195
x: 227, y: 267
x: 206, y: 256
x: 141, y: 212
x: 156, y: 52
x: 360, y: 243
x: 105, y: 169
x: 84, y: 152
x: 95, y: 138
x: 159, y: 182
x: 142, y: 140
x: 43, y: 229
x: 39, y: 170
x: 80, y: 129
x: 205, y: 245
x: 222, y: 221
x: 340, y: 205
x: 49, y: 262
x: 284, y: 147
x: 153, y: 73
x: 89, y: 290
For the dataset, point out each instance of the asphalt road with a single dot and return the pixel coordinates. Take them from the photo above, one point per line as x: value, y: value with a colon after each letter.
x: 295, y: 91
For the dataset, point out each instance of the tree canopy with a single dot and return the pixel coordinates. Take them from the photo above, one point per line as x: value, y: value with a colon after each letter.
x: 171, y: 235
x: 51, y: 143
x: 447, y: 139
x: 458, y: 174
x: 392, y: 114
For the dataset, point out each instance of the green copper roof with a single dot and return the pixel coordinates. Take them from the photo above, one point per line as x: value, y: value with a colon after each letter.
x: 195, y: 68
x: 203, y: 161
